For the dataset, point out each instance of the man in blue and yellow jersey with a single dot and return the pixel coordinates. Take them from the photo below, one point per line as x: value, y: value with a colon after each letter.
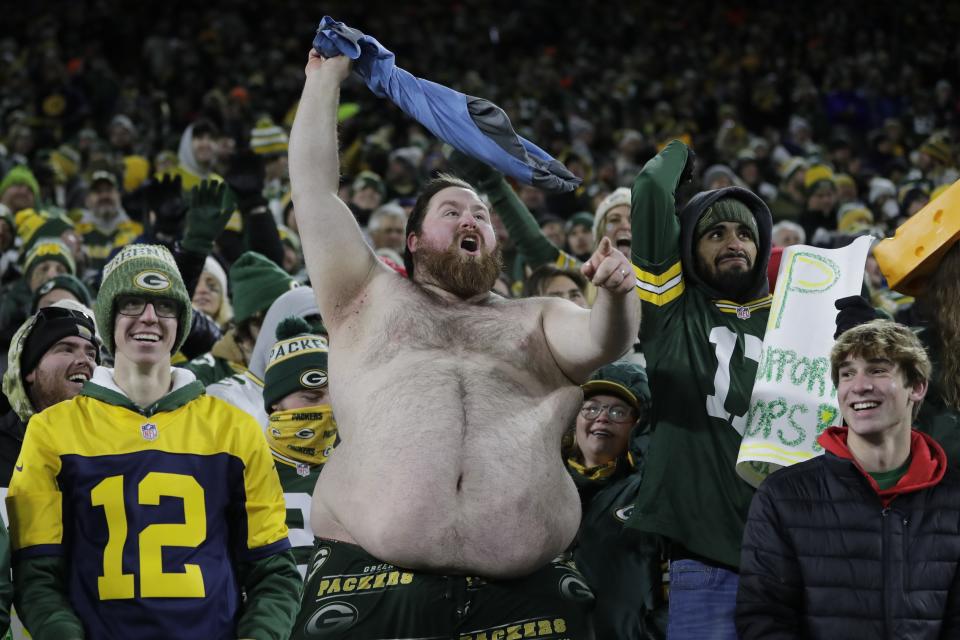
x: 702, y: 277
x: 143, y: 508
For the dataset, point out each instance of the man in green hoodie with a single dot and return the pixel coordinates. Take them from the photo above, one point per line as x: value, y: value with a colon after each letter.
x: 702, y: 279
x: 863, y: 541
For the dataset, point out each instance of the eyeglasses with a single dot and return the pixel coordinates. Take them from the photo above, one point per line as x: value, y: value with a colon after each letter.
x: 134, y: 306
x: 616, y: 412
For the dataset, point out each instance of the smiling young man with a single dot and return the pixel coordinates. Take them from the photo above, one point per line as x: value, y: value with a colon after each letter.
x: 451, y: 403
x: 52, y: 355
x: 142, y: 507
x: 864, y: 541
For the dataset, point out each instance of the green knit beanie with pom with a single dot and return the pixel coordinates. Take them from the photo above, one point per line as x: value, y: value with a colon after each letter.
x: 144, y: 270
x: 297, y: 361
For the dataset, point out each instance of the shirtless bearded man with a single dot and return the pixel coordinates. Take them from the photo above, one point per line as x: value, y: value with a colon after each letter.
x: 443, y: 509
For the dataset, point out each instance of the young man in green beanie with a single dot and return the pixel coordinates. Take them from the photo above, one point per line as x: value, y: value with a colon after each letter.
x: 702, y: 280
x: 255, y: 282
x: 302, y: 430
x: 159, y: 507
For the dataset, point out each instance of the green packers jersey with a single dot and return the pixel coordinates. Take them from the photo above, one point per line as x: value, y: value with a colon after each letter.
x: 100, y: 244
x: 298, y: 480
x: 623, y: 571
x: 702, y: 355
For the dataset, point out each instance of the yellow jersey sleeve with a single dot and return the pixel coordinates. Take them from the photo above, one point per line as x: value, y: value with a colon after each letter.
x: 34, y: 501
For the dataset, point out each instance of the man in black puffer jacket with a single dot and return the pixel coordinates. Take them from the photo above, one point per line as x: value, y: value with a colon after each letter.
x: 864, y: 541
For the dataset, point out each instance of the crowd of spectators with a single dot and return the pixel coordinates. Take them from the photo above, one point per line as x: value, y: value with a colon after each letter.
x: 170, y: 125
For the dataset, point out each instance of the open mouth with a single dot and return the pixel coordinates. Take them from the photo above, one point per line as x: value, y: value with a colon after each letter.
x: 470, y: 243
x: 601, y: 433
x: 79, y: 377
x: 623, y: 244
x: 146, y: 337
x: 865, y: 405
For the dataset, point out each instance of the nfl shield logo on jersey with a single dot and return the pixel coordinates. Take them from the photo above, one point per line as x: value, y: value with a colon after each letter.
x: 303, y: 470
x: 148, y: 431
x: 743, y: 313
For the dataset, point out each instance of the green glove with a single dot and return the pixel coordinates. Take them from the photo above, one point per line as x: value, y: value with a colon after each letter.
x: 477, y: 173
x: 206, y: 216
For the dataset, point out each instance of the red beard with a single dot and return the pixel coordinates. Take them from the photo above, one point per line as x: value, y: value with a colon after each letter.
x: 463, y: 276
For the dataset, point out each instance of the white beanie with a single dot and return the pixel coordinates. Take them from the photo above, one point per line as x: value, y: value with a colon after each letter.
x: 880, y: 187
x: 619, y: 196
x: 213, y: 267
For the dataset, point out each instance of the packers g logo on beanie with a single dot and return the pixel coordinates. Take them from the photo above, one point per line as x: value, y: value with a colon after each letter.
x: 152, y: 281
x: 313, y: 379
x: 146, y: 270
x: 297, y: 361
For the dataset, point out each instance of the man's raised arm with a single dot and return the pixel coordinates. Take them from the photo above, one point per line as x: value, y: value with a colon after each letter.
x: 583, y: 341
x: 339, y: 262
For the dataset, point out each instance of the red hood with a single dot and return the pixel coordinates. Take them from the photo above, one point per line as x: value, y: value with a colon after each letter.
x: 928, y: 462
x: 773, y: 267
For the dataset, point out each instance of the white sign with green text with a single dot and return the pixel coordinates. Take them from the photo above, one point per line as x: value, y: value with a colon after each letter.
x: 794, y: 399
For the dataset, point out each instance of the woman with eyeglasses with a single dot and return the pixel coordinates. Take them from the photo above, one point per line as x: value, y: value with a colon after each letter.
x: 604, y: 453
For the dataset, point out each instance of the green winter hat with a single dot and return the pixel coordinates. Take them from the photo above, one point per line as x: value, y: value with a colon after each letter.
x: 32, y: 226
x: 146, y: 270
x: 297, y: 361
x: 48, y: 249
x: 20, y: 174
x: 256, y: 281
x: 622, y: 379
x: 67, y: 282
x: 727, y: 210
x: 581, y: 219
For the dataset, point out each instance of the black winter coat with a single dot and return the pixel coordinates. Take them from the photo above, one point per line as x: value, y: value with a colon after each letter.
x: 822, y: 558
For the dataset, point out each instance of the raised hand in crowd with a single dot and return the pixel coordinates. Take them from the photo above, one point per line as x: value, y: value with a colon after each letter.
x: 245, y: 177
x: 164, y: 198
x: 206, y: 217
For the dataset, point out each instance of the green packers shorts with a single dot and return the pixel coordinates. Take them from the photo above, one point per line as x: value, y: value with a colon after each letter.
x: 350, y: 594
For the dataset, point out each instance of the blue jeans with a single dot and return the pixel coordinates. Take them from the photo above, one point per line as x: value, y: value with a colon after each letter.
x: 702, y: 602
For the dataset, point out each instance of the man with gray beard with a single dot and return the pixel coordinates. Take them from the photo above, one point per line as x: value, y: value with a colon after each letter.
x: 105, y: 226
x: 447, y: 497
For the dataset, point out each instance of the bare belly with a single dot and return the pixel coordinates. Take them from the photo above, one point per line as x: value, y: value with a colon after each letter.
x: 450, y: 466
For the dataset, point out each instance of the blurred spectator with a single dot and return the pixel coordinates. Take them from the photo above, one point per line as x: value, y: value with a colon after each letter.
x: 787, y: 234
x: 579, y: 235
x: 366, y: 194
x: 821, y: 202
x: 104, y: 225
x: 19, y: 189
x: 549, y: 280
x: 386, y: 228
x: 791, y: 198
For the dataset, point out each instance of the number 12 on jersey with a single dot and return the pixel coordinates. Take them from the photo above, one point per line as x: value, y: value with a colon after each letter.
x: 114, y: 584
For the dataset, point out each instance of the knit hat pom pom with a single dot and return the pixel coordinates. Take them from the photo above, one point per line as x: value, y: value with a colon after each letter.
x: 292, y: 326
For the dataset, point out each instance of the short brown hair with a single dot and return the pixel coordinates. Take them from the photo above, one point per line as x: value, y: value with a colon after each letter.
x: 542, y: 275
x: 419, y: 211
x: 886, y: 340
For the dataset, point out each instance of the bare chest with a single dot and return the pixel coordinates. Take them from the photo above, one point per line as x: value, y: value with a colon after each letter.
x: 504, y: 336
